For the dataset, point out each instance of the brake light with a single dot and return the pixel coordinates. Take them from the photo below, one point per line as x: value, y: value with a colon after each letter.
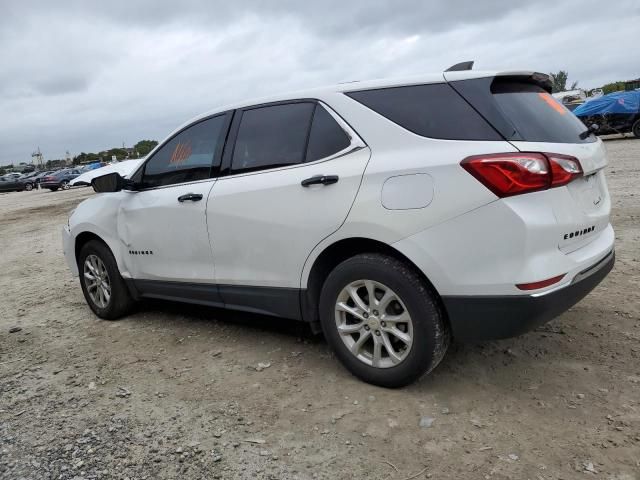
x: 508, y: 174
x: 540, y: 284
x: 564, y: 169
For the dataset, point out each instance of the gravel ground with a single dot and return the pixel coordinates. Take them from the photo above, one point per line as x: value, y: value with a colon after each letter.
x: 177, y: 391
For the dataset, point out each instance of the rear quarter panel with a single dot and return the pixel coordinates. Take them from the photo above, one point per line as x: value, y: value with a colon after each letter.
x: 397, y: 151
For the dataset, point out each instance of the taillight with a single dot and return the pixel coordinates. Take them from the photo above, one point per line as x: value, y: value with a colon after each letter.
x: 507, y: 174
x: 564, y: 169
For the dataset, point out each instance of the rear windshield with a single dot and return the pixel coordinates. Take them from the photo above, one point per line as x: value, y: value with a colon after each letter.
x: 522, y: 111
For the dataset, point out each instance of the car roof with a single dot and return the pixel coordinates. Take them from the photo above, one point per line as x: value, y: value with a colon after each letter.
x: 352, y: 86
x: 356, y: 85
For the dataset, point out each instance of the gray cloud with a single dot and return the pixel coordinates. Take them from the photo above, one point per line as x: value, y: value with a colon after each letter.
x: 85, y: 76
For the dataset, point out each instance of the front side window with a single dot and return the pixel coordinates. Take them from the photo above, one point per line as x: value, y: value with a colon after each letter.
x: 272, y: 136
x: 187, y: 157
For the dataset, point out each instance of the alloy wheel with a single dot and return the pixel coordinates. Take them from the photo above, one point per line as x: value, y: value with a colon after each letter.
x: 374, y: 323
x: 97, y: 281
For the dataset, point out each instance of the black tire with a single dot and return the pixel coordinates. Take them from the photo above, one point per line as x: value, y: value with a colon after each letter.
x: 636, y: 129
x: 28, y: 187
x: 65, y: 185
x: 120, y: 302
x: 430, y: 331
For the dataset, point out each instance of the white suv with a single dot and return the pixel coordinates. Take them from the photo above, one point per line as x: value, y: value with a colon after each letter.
x: 392, y: 214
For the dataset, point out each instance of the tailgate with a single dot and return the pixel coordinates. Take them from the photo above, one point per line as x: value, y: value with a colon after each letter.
x: 584, y: 213
x: 520, y: 108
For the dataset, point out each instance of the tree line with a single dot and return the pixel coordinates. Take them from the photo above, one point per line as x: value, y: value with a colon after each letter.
x: 559, y: 83
x: 140, y: 149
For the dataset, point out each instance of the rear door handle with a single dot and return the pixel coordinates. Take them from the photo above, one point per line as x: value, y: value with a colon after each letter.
x: 319, y: 180
x: 192, y: 197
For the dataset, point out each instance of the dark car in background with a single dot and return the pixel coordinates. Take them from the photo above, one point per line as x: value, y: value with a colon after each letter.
x: 38, y: 178
x: 11, y: 184
x: 59, y: 179
x: 29, y: 180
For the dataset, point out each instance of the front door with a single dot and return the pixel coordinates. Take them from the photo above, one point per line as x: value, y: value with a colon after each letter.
x: 294, y: 172
x: 162, y: 225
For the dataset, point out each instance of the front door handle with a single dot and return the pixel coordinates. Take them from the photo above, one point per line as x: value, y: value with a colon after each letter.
x: 319, y: 180
x: 192, y: 197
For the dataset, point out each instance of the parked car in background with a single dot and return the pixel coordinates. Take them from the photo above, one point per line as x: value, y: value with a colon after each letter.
x: 29, y: 180
x: 617, y: 112
x: 38, y: 178
x: 59, y: 179
x: 91, y: 166
x: 12, y: 175
x: 11, y: 184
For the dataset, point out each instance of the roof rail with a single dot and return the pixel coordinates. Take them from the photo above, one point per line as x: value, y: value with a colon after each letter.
x: 458, y: 67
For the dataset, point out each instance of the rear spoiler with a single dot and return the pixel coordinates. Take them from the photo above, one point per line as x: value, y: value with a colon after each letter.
x: 462, y: 71
x: 541, y: 79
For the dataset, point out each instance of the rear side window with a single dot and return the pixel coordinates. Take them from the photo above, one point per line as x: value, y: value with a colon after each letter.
x: 187, y: 157
x: 272, y: 136
x: 522, y: 111
x: 326, y: 137
x: 433, y: 110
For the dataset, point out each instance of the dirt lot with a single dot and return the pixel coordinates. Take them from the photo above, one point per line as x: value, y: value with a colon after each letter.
x: 173, y: 392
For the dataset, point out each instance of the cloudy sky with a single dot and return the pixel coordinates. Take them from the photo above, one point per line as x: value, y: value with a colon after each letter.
x: 89, y: 75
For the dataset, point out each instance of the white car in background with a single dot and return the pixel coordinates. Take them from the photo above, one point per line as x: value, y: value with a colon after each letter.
x: 393, y: 214
x: 123, y: 168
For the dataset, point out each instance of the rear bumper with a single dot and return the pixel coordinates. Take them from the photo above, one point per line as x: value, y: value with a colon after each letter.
x: 494, y: 317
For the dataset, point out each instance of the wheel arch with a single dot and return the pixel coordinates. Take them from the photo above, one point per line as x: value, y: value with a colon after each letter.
x: 334, y: 254
x: 85, y: 237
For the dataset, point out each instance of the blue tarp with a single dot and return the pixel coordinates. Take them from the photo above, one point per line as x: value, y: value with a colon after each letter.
x: 618, y: 102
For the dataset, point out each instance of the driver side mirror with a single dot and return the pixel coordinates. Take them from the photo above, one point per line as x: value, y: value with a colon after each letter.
x: 111, y: 182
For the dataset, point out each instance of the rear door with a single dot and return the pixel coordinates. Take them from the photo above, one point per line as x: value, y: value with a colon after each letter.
x: 533, y: 121
x: 293, y: 171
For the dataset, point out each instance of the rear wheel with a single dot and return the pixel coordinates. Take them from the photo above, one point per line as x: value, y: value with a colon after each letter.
x: 382, y: 320
x: 65, y: 185
x: 636, y: 129
x: 102, y: 285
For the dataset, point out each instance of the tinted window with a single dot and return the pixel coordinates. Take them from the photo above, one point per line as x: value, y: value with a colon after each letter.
x: 435, y: 111
x: 187, y: 157
x: 272, y: 136
x: 326, y: 137
x: 522, y: 110
x: 536, y: 115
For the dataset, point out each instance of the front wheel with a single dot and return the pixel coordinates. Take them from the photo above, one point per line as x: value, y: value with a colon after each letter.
x: 65, y: 185
x: 382, y: 320
x: 28, y: 187
x: 102, y: 285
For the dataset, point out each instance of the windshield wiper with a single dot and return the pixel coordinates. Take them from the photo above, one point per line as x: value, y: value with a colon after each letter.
x: 593, y: 128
